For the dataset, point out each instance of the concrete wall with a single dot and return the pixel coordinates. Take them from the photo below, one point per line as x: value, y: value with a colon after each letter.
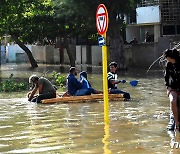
x: 138, y: 55
x: 132, y: 31
x: 16, y: 54
x: 157, y: 32
x: 96, y: 53
x: 139, y: 31
x: 42, y: 54
x: 78, y: 54
x: 38, y: 53
x: 49, y: 51
x: 150, y: 14
x: 3, y: 55
x: 128, y: 55
x: 144, y: 54
x: 83, y: 54
x: 56, y: 56
x: 66, y: 57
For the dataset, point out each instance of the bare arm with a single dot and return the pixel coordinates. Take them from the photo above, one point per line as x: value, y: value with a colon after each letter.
x: 32, y: 93
x: 114, y: 81
x: 117, y: 81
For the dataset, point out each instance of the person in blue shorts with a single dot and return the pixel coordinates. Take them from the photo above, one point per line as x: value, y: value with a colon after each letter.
x: 113, y: 81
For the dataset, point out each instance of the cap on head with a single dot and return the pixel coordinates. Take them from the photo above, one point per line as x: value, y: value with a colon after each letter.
x: 33, y: 78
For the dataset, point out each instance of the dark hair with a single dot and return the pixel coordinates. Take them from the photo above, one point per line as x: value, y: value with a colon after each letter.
x: 113, y: 64
x: 84, y: 74
x: 33, y: 78
x: 71, y: 70
x: 172, y: 53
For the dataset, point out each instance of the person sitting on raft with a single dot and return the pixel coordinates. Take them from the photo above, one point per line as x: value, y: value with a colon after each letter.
x: 45, y: 88
x: 84, y: 80
x: 172, y: 83
x: 86, y: 83
x: 113, y: 81
x: 77, y: 88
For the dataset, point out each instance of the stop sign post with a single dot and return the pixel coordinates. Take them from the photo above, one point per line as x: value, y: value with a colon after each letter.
x: 102, y: 26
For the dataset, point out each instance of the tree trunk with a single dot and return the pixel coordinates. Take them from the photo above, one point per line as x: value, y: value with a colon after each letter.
x: 28, y: 52
x: 71, y: 57
x: 116, y: 48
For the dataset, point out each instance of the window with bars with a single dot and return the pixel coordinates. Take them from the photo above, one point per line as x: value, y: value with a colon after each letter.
x: 171, y: 29
x: 170, y: 10
x: 145, y: 3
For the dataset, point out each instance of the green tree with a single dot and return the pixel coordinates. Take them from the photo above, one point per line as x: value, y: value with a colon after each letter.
x: 27, y: 21
x: 79, y: 21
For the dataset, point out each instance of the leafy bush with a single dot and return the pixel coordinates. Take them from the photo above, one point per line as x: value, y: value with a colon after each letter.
x: 10, y: 85
x: 60, y: 79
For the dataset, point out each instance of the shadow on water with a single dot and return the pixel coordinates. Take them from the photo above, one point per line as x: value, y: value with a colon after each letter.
x: 136, y: 126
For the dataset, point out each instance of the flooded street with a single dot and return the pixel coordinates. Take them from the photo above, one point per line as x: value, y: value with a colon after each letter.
x: 136, y: 126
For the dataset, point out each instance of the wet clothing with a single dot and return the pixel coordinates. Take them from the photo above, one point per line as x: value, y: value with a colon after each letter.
x: 85, y: 91
x: 172, y: 79
x: 172, y: 76
x: 44, y: 96
x: 76, y: 88
x: 85, y: 82
x: 117, y: 91
x: 112, y: 76
x: 48, y: 90
x: 86, y: 88
x: 73, y: 84
x: 48, y: 87
x: 113, y: 87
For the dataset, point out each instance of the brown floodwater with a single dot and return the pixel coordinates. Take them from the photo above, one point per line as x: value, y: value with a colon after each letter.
x: 135, y: 126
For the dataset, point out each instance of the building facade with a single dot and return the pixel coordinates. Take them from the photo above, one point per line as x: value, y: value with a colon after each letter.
x: 160, y: 18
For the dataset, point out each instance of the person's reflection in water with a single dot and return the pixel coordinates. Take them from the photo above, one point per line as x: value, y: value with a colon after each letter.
x: 174, y: 142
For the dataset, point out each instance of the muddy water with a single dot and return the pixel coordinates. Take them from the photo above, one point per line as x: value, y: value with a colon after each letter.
x: 136, y: 126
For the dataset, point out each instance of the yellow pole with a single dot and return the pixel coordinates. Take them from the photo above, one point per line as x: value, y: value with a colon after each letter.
x: 105, y: 140
x: 105, y: 84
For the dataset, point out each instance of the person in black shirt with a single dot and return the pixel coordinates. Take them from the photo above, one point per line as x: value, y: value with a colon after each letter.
x: 133, y: 41
x: 148, y: 37
x: 113, y: 81
x: 172, y: 83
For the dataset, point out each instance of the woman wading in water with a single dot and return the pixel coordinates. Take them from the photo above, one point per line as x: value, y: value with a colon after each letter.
x: 172, y: 82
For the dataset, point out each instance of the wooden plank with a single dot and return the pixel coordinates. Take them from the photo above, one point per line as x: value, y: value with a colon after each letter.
x: 81, y: 99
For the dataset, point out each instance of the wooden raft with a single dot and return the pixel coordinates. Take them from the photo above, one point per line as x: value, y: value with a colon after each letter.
x: 81, y: 99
